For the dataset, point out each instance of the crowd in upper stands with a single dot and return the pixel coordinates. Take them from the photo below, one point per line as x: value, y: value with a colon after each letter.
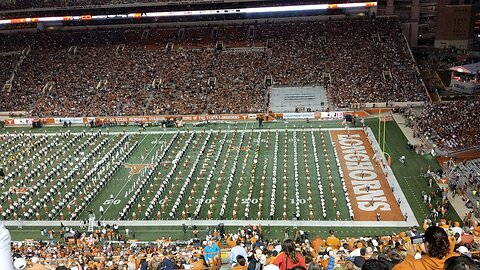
x: 250, y: 248
x: 357, y: 65
x: 166, y: 71
x: 464, y: 181
x: 7, y: 63
x: 452, y: 125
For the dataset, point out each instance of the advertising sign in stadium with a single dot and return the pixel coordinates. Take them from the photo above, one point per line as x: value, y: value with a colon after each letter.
x: 73, y: 120
x: 23, y: 121
x: 308, y: 115
x: 212, y: 117
x: 337, y: 115
x: 159, y: 118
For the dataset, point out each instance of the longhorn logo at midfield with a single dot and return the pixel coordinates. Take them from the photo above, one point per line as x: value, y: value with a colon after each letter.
x: 136, y: 168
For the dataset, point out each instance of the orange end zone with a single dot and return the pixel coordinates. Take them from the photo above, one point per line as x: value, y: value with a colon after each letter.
x: 361, y: 172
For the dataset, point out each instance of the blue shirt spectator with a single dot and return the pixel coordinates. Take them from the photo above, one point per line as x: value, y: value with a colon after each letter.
x: 211, y: 251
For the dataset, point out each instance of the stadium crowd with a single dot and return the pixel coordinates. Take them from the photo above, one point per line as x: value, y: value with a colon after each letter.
x: 432, y: 247
x: 7, y: 64
x: 131, y: 72
x: 452, y: 125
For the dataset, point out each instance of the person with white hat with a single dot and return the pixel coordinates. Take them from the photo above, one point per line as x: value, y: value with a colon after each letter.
x: 464, y: 251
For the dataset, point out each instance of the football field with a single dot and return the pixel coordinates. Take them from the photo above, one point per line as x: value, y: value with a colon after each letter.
x: 277, y: 174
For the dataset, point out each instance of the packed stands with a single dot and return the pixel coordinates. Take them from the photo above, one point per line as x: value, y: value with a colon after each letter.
x: 7, y: 64
x: 465, y: 182
x: 452, y: 125
x: 166, y: 70
x: 102, y: 250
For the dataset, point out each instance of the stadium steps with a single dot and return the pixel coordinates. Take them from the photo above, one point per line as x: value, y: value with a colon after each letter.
x: 23, y: 54
x: 408, y: 132
x: 457, y: 203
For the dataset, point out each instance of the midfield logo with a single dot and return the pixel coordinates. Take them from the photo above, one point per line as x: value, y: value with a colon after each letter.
x: 137, y: 168
x: 443, y: 180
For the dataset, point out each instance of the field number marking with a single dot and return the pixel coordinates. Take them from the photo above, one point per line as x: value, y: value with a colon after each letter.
x: 115, y: 202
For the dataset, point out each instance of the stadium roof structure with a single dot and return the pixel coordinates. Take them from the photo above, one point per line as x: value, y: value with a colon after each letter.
x: 470, y: 68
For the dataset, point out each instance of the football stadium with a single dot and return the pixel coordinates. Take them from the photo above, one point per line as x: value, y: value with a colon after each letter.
x: 239, y: 135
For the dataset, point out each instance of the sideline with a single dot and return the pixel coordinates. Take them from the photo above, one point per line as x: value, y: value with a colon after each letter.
x: 272, y: 223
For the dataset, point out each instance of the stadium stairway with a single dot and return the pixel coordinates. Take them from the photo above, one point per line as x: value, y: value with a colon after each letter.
x: 457, y: 203
x: 407, y: 131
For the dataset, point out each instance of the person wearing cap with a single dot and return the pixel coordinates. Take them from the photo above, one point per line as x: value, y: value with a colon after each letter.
x: 457, y: 229
x: 464, y: 251
x: 359, y: 261
x: 437, y: 248
x: 289, y: 257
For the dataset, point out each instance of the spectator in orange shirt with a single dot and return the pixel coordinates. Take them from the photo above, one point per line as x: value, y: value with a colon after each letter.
x: 198, y: 263
x: 317, y: 243
x: 333, y: 241
x: 436, y: 246
x: 230, y: 241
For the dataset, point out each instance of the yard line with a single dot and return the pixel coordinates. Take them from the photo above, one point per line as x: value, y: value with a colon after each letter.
x: 128, y: 181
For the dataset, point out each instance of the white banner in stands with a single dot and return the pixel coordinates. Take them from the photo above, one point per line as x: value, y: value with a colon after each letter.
x: 22, y: 121
x: 308, y: 115
x: 338, y: 115
x: 252, y: 116
x: 76, y: 120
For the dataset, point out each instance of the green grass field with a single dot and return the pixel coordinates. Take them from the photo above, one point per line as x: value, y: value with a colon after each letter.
x: 120, y: 188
